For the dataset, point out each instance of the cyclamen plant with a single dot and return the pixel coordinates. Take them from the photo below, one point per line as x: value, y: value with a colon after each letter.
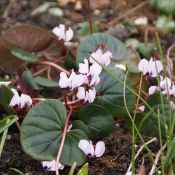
x: 61, y: 131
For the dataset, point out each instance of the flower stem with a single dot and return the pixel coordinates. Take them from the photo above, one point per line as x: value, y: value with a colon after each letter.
x: 57, y: 67
x: 62, y: 141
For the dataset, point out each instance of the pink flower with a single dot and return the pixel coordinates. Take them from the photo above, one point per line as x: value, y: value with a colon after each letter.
x: 62, y: 33
x: 50, y: 165
x: 150, y: 68
x: 90, y: 72
x: 87, y: 96
x: 74, y: 80
x: 20, y: 101
x: 90, y: 150
x: 102, y: 56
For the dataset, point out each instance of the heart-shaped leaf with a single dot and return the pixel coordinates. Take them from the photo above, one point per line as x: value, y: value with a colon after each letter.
x: 45, y: 82
x: 95, y: 120
x: 23, y: 55
x: 41, y: 133
x: 110, y: 93
x: 91, y: 43
x: 31, y: 39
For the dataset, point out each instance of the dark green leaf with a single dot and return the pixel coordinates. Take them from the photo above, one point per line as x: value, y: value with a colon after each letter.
x: 91, y: 43
x: 23, y: 55
x: 110, y: 93
x: 95, y: 120
x: 41, y: 133
x: 41, y: 81
x: 29, y: 80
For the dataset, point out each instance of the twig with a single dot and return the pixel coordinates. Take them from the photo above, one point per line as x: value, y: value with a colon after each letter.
x: 48, y: 73
x: 62, y: 141
x: 57, y: 67
x: 141, y: 148
x: 156, y: 160
x: 142, y: 4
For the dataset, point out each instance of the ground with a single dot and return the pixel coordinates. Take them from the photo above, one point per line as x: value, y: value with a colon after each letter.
x: 117, y: 157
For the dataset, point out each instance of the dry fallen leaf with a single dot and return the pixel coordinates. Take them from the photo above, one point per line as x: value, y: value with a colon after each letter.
x: 142, y: 170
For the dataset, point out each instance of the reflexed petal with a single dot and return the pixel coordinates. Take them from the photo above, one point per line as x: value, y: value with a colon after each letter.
x: 76, y: 80
x: 81, y: 93
x: 60, y: 32
x: 94, y: 80
x: 152, y: 90
x: 15, y: 101
x: 84, y: 67
x: 69, y: 34
x: 25, y: 100
x: 172, y: 91
x: 99, y: 149
x: 86, y: 146
x: 143, y: 66
x: 64, y: 81
x: 96, y: 55
x: 95, y: 69
x: 90, y: 95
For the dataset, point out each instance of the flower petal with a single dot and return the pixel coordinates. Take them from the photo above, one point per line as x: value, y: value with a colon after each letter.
x: 69, y: 34
x: 50, y: 165
x: 152, y: 90
x: 81, y: 93
x: 64, y: 81
x: 143, y: 66
x: 99, y: 149
x: 25, y: 100
x: 87, y: 147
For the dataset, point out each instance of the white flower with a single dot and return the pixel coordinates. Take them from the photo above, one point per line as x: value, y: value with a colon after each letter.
x: 166, y: 85
x: 141, y: 21
x: 87, y: 96
x: 150, y: 68
x: 91, y: 73
x: 72, y: 82
x: 141, y: 108
x: 62, y: 33
x: 103, y: 57
x: 121, y: 66
x: 152, y: 90
x: 87, y: 147
x: 20, y: 101
x: 50, y: 165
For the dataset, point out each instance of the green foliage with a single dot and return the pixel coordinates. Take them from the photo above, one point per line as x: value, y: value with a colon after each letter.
x: 150, y: 120
x: 7, y: 122
x: 110, y: 93
x: 5, y: 97
x: 23, y: 55
x: 41, y: 81
x: 41, y: 132
x: 95, y: 120
x: 164, y: 6
x: 91, y: 43
x: 85, y: 29
x: 84, y: 170
x: 146, y: 49
x: 166, y: 24
x: 38, y: 82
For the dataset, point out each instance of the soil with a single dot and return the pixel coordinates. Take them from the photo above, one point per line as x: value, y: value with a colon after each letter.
x: 117, y: 157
